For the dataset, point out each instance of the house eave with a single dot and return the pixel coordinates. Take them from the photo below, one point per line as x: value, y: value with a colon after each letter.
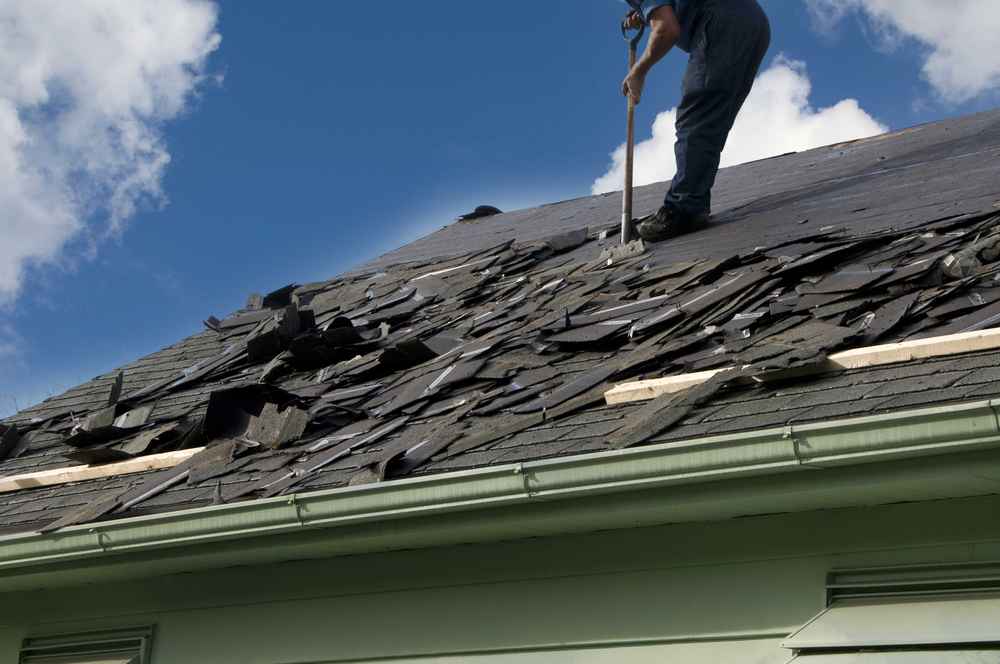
x: 931, y: 453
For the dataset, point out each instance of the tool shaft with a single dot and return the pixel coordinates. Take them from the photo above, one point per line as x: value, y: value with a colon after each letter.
x: 626, y: 232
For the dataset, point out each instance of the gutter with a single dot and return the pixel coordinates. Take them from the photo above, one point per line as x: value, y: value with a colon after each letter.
x: 929, y: 432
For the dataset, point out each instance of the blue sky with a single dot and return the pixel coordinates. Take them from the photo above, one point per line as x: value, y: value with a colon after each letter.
x: 315, y: 135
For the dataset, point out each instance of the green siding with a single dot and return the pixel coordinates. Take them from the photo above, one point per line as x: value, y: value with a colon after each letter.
x: 706, y: 592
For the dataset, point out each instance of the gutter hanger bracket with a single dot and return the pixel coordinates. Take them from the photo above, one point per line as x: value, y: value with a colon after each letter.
x: 297, y: 507
x: 525, y: 481
x: 995, y: 407
x: 790, y: 434
x: 103, y: 539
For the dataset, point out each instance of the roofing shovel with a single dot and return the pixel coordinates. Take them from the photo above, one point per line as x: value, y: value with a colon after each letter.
x: 633, y: 48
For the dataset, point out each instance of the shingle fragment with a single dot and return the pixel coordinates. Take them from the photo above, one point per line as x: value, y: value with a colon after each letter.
x: 964, y: 303
x: 275, y: 427
x: 664, y: 412
x: 10, y: 437
x: 885, y: 318
x: 234, y: 412
x: 571, y: 389
x: 850, y: 278
x: 590, y: 334
x: 89, y: 512
x: 280, y: 298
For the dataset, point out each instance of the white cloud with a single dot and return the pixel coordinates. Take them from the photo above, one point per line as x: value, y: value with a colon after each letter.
x: 960, y: 37
x: 85, y: 87
x: 777, y: 118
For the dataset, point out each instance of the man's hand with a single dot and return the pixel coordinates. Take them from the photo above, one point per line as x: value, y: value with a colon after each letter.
x: 633, y: 84
x: 664, y: 31
x: 633, y: 21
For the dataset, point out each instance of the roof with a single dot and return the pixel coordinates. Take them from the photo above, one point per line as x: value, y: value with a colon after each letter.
x: 493, y: 340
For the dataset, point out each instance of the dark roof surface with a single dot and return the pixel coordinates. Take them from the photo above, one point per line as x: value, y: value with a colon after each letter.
x: 911, y: 176
x: 493, y: 340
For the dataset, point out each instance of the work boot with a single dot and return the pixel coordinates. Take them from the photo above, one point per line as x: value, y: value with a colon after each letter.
x: 669, y: 223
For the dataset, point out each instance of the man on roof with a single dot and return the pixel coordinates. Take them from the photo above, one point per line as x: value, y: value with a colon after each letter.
x: 726, y: 40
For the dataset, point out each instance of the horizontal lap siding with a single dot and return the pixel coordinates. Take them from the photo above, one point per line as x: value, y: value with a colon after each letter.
x: 710, y: 592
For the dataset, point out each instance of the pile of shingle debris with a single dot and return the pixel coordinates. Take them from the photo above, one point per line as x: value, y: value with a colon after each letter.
x: 433, y: 360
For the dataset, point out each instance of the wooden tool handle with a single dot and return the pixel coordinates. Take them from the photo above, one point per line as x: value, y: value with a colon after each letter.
x: 626, y: 231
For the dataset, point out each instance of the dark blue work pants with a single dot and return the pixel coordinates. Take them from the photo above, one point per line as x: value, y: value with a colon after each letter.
x: 728, y: 46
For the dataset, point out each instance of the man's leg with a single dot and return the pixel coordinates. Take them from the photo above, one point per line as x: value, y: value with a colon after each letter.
x: 701, y: 135
x: 727, y: 53
x: 757, y: 51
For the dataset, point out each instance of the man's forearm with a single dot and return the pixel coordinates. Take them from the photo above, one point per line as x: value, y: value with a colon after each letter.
x: 659, y: 44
